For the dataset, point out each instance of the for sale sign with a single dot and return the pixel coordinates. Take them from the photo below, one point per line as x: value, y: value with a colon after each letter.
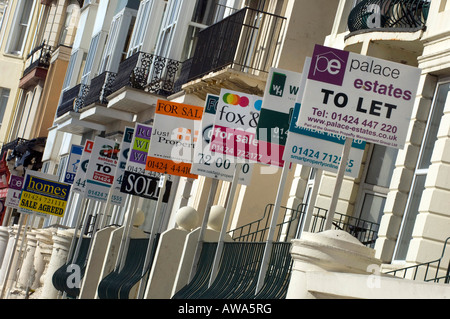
x: 213, y: 164
x: 234, y: 132
x: 175, y: 132
x: 359, y: 97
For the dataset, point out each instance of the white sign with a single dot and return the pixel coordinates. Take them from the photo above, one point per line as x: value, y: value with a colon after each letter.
x: 79, y: 184
x: 280, y: 96
x: 359, y: 97
x: 14, y: 190
x: 212, y: 164
x: 74, y: 162
x: 117, y: 197
x: 175, y: 131
x: 234, y: 132
x: 318, y: 149
x: 102, y: 168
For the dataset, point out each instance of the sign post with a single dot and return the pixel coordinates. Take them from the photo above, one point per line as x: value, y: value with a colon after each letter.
x: 214, y: 165
x: 281, y: 92
x: 234, y: 135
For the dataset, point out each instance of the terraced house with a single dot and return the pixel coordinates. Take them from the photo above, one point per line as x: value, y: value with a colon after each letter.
x: 104, y: 65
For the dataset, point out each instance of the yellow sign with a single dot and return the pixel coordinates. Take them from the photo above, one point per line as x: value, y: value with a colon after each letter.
x: 42, y: 204
x: 43, y: 196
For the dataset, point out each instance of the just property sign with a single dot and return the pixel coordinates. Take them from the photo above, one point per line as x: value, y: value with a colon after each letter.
x: 359, y: 97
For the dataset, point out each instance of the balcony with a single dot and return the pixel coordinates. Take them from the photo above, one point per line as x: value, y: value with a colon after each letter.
x: 68, y: 112
x: 393, y: 15
x: 398, y: 24
x: 94, y: 104
x: 235, y: 53
x: 36, y: 66
x: 141, y: 80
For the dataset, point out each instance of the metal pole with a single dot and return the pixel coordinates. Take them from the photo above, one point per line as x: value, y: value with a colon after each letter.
x: 339, y: 180
x: 273, y: 225
x: 198, y: 249
x: 226, y: 218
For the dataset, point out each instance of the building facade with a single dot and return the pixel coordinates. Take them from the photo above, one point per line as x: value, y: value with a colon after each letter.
x: 127, y: 54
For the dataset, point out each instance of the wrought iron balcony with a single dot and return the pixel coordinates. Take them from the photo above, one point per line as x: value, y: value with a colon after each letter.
x: 247, y: 41
x: 36, y: 66
x: 389, y: 15
x: 72, y: 99
x: 100, y: 88
x: 147, y: 72
x: 38, y: 57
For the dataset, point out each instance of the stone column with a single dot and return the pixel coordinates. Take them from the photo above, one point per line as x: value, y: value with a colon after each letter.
x: 41, y: 258
x: 3, y: 242
x: 27, y: 270
x: 328, y: 251
x: 61, y: 244
x: 8, y: 255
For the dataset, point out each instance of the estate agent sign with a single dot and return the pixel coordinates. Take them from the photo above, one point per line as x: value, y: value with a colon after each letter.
x: 359, y: 97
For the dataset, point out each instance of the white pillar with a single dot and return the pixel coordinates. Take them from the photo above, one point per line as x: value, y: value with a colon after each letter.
x: 27, y: 270
x: 61, y: 245
x: 42, y: 258
x: 3, y: 242
x: 328, y: 251
x: 8, y: 255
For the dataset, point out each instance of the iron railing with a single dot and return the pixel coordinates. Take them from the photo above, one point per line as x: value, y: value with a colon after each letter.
x: 365, y: 231
x: 38, y: 57
x: 401, y: 15
x: 12, y: 145
x: 247, y: 41
x: 432, y: 271
x: 100, y: 88
x: 72, y: 100
x: 148, y: 72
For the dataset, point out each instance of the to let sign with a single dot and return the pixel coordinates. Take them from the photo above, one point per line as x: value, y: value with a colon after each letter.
x: 359, y: 97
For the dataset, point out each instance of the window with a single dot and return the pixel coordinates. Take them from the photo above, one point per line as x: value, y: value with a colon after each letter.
x: 3, y: 8
x: 424, y: 162
x: 142, y: 21
x: 85, y: 79
x: 377, y: 177
x: 118, y: 39
x: 19, y: 27
x: 70, y: 21
x: 4, y: 96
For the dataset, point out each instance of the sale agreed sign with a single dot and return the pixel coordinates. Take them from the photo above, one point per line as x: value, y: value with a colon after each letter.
x: 359, y: 97
x: 43, y: 195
